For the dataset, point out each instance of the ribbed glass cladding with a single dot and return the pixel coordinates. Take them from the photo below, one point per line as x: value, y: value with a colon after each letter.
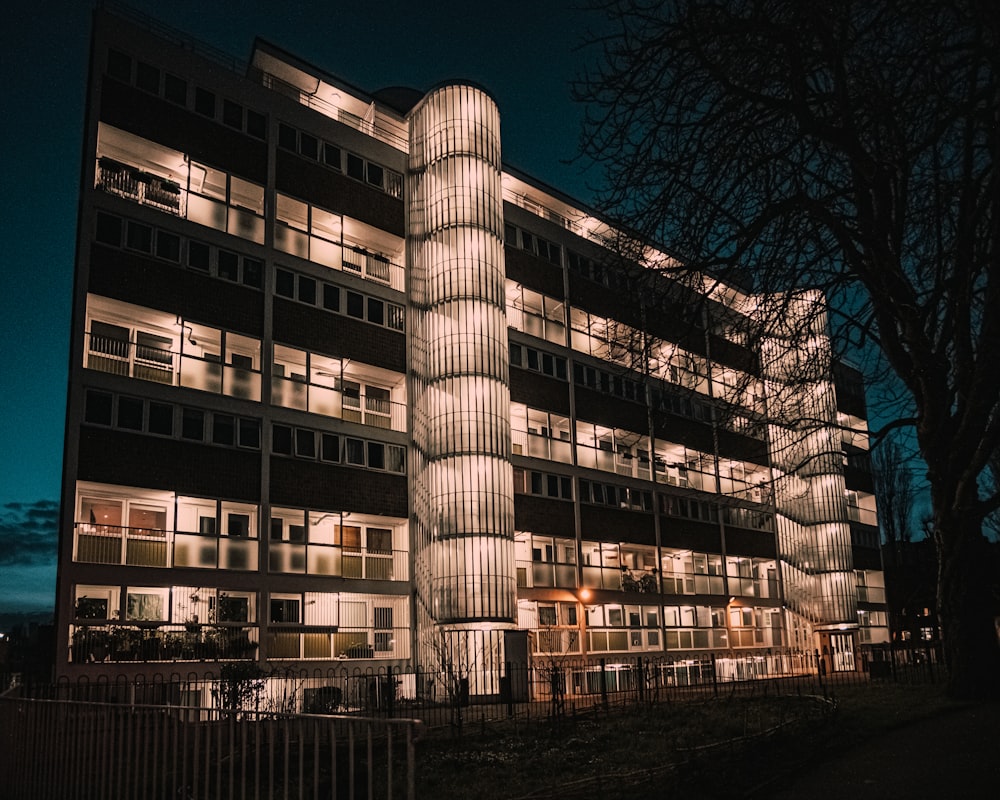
x: 814, y: 536
x: 462, y: 485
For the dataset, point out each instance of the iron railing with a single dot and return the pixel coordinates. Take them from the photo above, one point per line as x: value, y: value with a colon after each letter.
x: 76, y: 749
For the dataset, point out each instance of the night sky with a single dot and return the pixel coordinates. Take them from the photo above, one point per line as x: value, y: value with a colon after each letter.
x: 525, y: 53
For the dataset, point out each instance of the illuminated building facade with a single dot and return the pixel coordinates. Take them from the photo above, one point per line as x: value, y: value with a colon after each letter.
x: 345, y: 389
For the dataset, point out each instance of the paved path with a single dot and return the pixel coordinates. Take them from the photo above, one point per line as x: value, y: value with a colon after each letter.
x: 954, y: 753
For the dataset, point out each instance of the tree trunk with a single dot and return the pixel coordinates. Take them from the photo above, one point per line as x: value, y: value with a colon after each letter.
x: 965, y: 606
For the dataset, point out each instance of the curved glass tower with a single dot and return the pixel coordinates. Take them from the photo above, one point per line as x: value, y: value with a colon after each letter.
x: 461, y: 472
x: 814, y: 536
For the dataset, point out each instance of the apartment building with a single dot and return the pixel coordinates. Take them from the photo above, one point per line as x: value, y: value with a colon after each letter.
x: 346, y: 390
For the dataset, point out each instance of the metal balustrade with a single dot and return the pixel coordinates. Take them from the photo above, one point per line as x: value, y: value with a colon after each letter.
x: 119, y: 544
x: 89, y: 750
x: 144, y: 188
x: 146, y: 547
x: 348, y: 405
x: 160, y: 365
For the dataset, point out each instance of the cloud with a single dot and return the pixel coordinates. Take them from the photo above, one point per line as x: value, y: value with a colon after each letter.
x: 29, y: 533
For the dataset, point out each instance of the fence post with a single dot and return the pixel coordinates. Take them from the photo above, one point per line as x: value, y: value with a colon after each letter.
x: 715, y: 678
x: 604, y: 684
x: 641, y: 678
x: 390, y: 688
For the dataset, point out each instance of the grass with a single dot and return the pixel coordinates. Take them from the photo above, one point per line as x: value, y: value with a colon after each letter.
x: 722, y: 748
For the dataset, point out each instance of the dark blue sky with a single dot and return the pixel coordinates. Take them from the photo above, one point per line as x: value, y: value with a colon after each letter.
x: 524, y: 53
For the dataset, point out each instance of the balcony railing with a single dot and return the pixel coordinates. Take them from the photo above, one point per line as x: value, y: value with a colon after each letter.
x: 144, y: 188
x: 349, y: 406
x: 692, y: 583
x: 215, y: 552
x: 373, y: 267
x: 545, y: 573
x: 124, y: 642
x: 753, y: 587
x: 145, y: 547
x: 120, y: 357
x: 537, y: 446
x: 338, y: 561
x: 862, y: 515
x: 303, y: 643
x: 328, y: 109
x: 147, y: 363
x: 118, y: 544
x: 871, y: 594
x: 558, y: 641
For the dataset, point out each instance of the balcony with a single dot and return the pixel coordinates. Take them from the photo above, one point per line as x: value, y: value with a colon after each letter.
x: 117, y: 355
x: 338, y: 561
x: 351, y: 406
x: 546, y: 574
x: 537, y: 446
x: 141, y: 187
x: 118, y: 544
x: 373, y: 267
x: 692, y: 583
x: 301, y: 643
x: 215, y: 552
x: 871, y: 594
x: 114, y: 642
x: 145, y: 547
x: 863, y: 515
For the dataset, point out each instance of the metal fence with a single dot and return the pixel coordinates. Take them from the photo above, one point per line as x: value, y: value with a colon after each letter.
x: 65, y: 749
x: 351, y: 732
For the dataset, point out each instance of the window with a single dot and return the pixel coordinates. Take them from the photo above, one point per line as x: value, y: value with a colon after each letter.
x: 108, y: 229
x: 232, y: 114
x: 233, y: 608
x: 229, y: 265
x: 249, y: 433
x: 147, y: 77
x: 119, y: 66
x: 287, y: 137
x: 145, y: 605
x: 193, y: 424
x: 305, y: 443
x: 307, y: 290
x: 308, y: 146
x: 98, y: 407
x: 168, y: 246
x: 331, y: 297
x: 284, y: 283
x: 129, y: 413
x: 204, y: 102
x: 139, y: 237
x: 199, y: 256
x: 175, y: 89
x: 355, y: 452
x: 161, y: 419
x: 256, y: 124
x: 355, y: 167
x: 376, y: 455
x: 330, y: 448
x: 223, y: 429
x: 331, y: 156
x: 281, y: 439
x: 285, y: 609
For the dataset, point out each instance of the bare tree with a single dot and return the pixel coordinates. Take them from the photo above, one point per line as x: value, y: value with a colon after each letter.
x: 847, y: 147
x: 893, y: 492
x: 992, y: 521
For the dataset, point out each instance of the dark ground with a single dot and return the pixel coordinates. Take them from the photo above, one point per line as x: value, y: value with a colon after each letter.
x: 951, y: 752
